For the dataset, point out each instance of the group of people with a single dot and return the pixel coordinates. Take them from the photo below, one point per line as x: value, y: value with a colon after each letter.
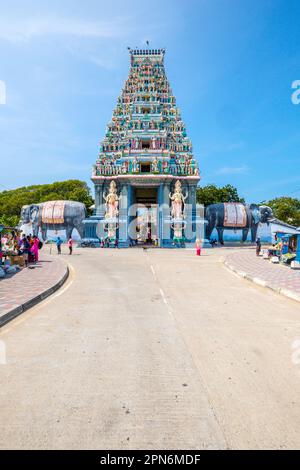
x: 106, y: 243
x: 27, y: 246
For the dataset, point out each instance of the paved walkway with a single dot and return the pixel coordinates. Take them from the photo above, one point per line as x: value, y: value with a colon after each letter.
x: 152, y: 349
x: 29, y: 286
x: 277, y: 277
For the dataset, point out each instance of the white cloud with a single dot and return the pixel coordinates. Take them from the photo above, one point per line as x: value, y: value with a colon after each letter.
x: 107, y: 61
x: 2, y: 92
x: 100, y: 62
x: 26, y: 29
x: 233, y: 170
x: 214, y: 149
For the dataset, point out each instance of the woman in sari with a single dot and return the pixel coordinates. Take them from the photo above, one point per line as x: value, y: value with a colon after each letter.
x: 35, y: 248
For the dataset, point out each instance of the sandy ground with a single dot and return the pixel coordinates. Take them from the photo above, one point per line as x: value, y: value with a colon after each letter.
x: 152, y: 349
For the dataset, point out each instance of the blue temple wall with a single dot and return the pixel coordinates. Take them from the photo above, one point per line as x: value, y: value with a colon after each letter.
x: 266, y: 233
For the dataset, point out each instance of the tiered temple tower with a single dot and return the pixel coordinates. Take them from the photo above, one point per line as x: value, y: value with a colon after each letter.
x: 147, y: 154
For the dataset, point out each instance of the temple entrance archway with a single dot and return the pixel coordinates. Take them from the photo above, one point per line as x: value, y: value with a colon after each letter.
x: 146, y: 221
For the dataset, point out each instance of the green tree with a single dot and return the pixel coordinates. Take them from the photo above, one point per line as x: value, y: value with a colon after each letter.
x: 11, y: 201
x: 9, y: 221
x: 212, y: 194
x: 286, y: 209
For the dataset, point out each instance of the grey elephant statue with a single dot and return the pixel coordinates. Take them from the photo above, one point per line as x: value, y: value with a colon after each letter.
x: 236, y: 216
x: 54, y: 215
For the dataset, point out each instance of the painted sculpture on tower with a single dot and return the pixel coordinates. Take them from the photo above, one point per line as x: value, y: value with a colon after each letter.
x: 155, y: 167
x: 146, y: 124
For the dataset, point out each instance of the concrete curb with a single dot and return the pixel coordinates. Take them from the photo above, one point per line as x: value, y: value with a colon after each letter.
x: 7, y: 317
x: 280, y: 290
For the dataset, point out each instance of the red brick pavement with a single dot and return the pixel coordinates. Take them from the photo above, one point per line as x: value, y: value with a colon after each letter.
x: 29, y: 286
x: 278, y: 277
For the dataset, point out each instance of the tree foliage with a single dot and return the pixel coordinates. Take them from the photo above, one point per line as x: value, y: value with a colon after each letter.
x: 211, y: 194
x: 286, y: 209
x: 11, y: 201
x: 9, y: 220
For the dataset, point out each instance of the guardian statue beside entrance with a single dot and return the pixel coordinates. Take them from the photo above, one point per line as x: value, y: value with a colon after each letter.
x: 178, y: 202
x: 111, y: 202
x: 178, y: 213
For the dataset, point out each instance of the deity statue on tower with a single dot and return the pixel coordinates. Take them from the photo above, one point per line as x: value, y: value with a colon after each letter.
x: 135, y: 165
x: 155, y: 167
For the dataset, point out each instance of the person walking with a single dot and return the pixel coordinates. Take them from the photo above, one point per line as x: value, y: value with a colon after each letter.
x: 58, y: 245
x: 25, y: 247
x: 70, y: 245
x: 198, y: 247
x: 258, y: 246
x: 35, y: 248
x: 29, y: 242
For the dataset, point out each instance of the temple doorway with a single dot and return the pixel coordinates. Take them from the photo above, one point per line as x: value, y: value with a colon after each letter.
x: 146, y: 230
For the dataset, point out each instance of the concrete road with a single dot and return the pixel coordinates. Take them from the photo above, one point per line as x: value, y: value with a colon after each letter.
x: 152, y: 349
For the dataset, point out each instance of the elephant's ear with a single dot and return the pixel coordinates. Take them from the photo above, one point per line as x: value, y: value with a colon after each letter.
x: 34, y: 212
x: 256, y: 214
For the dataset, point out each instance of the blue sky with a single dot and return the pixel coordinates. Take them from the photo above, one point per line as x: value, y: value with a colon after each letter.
x: 231, y: 64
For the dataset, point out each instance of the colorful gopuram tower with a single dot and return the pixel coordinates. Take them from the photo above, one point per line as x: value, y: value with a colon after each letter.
x: 145, y: 176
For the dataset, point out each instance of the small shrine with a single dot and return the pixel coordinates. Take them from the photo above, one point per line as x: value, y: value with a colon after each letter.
x: 145, y: 176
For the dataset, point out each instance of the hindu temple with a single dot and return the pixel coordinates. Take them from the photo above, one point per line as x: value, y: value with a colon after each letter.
x: 145, y: 176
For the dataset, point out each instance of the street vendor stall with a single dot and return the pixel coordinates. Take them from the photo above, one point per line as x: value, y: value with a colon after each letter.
x: 10, y: 259
x: 272, y: 253
x: 290, y: 250
x: 284, y: 250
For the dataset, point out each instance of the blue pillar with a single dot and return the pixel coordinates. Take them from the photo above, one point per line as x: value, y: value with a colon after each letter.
x: 298, y: 249
x: 91, y: 223
x: 124, y: 205
x: 160, y: 200
x: 165, y: 227
x: 191, y: 214
x: 99, y: 201
x: 130, y: 217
